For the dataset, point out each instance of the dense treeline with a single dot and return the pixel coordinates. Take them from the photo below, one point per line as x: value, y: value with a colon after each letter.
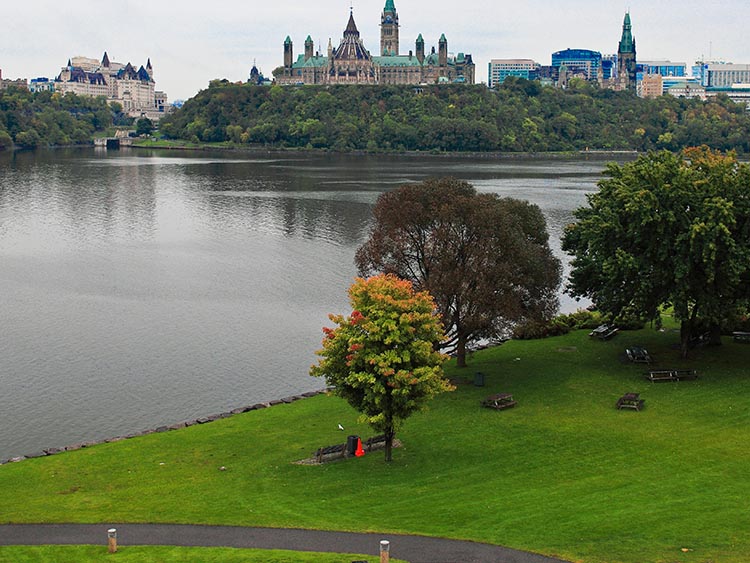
x: 519, y: 116
x: 45, y: 119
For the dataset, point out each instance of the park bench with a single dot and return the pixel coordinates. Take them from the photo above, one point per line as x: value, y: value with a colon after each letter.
x: 630, y: 401
x: 499, y: 401
x: 739, y: 336
x: 638, y: 355
x: 604, y: 332
x: 671, y: 374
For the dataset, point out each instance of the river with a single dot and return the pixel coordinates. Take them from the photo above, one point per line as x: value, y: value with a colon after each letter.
x: 142, y: 288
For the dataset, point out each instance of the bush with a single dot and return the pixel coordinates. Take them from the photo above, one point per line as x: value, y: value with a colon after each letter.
x: 561, y: 324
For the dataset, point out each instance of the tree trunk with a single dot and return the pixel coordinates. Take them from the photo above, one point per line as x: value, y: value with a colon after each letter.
x: 461, y: 352
x: 389, y: 434
x: 685, y: 330
x: 715, y: 335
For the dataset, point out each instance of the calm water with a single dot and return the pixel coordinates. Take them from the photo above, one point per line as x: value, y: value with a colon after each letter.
x: 145, y: 288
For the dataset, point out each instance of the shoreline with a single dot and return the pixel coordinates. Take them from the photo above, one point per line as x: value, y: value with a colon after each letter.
x: 596, y: 153
x: 164, y: 428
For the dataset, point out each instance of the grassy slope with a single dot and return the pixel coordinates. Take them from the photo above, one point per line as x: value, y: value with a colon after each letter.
x: 564, y: 473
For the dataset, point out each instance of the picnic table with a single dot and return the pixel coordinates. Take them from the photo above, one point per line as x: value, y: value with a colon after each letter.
x: 604, y: 332
x: 630, y: 401
x: 499, y: 401
x: 671, y: 374
x: 638, y: 355
x: 739, y: 336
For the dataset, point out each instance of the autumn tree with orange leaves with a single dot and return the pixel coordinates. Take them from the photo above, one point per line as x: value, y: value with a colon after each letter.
x: 381, y: 358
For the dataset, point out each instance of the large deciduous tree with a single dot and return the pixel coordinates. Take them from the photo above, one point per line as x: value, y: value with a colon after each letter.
x: 666, y: 230
x: 485, y: 260
x: 381, y: 358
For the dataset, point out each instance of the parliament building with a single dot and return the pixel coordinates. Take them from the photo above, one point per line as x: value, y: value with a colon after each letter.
x: 352, y: 63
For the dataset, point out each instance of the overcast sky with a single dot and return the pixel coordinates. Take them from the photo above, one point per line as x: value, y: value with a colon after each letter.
x: 193, y: 41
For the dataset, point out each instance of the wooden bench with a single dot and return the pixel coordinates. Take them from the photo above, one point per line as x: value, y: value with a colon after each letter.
x: 638, y: 355
x: 671, y: 374
x: 630, y: 401
x: 604, y: 332
x: 739, y: 336
x: 499, y: 401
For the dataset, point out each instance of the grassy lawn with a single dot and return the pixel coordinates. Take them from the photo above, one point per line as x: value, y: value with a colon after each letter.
x: 564, y: 473
x: 141, y: 554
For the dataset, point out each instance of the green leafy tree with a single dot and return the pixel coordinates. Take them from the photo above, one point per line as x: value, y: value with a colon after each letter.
x: 381, y: 358
x: 144, y: 126
x: 485, y: 260
x: 666, y: 230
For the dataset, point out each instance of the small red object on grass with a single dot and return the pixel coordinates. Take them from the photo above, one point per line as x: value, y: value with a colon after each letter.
x: 360, y: 450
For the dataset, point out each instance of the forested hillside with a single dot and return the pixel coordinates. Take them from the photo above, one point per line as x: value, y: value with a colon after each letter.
x: 32, y: 120
x: 519, y: 116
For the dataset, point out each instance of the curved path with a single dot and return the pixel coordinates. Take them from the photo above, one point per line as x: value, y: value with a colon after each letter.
x: 415, y: 549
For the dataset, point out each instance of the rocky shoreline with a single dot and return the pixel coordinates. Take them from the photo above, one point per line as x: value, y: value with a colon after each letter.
x: 164, y: 428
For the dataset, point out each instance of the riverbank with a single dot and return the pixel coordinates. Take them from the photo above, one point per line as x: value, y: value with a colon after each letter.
x: 564, y: 473
x: 232, y: 147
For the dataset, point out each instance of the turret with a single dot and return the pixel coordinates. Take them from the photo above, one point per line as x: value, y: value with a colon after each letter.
x: 288, y: 52
x: 309, y: 46
x: 420, y: 49
x: 443, y: 51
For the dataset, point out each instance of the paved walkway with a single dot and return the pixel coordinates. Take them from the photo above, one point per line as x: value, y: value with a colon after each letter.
x: 415, y: 549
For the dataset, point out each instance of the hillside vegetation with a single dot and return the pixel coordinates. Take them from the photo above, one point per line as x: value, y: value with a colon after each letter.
x: 45, y: 119
x: 519, y: 116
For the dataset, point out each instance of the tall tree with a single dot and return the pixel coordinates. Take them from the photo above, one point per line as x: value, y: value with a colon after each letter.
x: 381, y: 358
x: 666, y: 230
x: 485, y: 260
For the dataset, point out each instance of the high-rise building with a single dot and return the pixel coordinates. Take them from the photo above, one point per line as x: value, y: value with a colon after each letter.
x: 581, y: 63
x: 724, y: 75
x: 500, y: 69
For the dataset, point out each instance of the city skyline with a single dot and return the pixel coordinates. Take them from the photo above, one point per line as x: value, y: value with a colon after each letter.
x: 194, y: 42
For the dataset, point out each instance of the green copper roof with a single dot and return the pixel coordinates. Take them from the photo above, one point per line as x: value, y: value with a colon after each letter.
x: 308, y: 40
x: 392, y: 61
x: 627, y: 43
x: 311, y: 62
x: 287, y: 40
x: 419, y: 39
x: 442, y: 38
x: 389, y: 7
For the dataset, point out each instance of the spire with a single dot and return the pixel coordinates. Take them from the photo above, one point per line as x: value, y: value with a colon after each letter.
x: 148, y: 64
x: 389, y: 6
x: 351, y: 27
x: 627, y: 42
x: 105, y: 60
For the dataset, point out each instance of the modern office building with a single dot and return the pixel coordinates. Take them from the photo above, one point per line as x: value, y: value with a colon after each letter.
x: 663, y: 68
x: 581, y: 63
x: 724, y: 75
x: 500, y: 69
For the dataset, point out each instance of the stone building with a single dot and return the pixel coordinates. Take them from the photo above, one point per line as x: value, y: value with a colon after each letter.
x: 352, y: 63
x: 134, y: 89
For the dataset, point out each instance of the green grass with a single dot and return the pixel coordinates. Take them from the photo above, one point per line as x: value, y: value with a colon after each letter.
x: 564, y: 473
x: 147, y: 554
